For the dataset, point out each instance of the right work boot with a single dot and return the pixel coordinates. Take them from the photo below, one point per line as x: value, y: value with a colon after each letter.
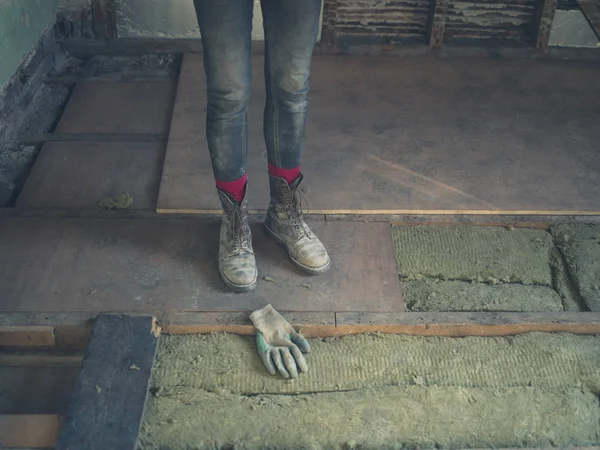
x: 237, y: 265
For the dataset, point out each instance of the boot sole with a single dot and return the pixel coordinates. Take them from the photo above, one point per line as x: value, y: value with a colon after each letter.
x: 238, y: 287
x: 302, y: 267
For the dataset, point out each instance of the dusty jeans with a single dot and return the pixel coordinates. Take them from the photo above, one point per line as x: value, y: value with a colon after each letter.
x: 291, y: 28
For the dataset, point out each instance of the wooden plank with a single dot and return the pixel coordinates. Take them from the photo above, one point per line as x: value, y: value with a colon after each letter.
x: 29, y: 430
x: 119, y: 107
x: 419, y: 324
x: 591, y: 10
x: 171, y: 265
x: 312, y: 324
x: 467, y: 324
x: 36, y: 390
x: 542, y: 23
x: 78, y: 175
x: 466, y: 165
x: 28, y: 336
x: 110, y: 392
x: 437, y: 23
x: 22, y: 358
x: 104, y: 23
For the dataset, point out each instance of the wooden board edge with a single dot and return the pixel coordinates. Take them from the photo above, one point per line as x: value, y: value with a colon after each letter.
x: 29, y: 430
x: 390, y: 212
x: 326, y: 324
x: 419, y: 324
x: 27, y: 336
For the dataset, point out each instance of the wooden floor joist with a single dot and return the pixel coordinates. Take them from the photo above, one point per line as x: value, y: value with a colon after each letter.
x: 419, y: 324
x: 32, y: 336
x: 324, y: 324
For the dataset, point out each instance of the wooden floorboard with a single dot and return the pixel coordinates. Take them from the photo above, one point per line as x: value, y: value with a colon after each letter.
x: 171, y: 265
x: 414, y: 136
x: 77, y: 175
x: 15, y: 336
x: 118, y: 107
x: 109, y: 397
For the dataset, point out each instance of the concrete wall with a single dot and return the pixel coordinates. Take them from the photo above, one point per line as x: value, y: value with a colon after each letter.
x: 22, y: 24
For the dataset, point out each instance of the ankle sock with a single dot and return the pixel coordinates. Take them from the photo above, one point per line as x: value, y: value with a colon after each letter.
x: 288, y: 175
x: 236, y: 188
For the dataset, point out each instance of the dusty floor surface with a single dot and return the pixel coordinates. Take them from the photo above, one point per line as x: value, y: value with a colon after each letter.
x: 377, y: 391
x: 580, y: 245
x: 482, y: 269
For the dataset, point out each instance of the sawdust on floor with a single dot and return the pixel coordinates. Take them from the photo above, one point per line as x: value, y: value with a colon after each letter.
x: 439, y: 295
x: 580, y: 245
x: 377, y: 391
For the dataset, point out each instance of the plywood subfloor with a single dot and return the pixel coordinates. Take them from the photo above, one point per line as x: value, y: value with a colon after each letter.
x: 114, y: 265
x: 80, y: 174
x: 407, y: 135
x: 118, y: 107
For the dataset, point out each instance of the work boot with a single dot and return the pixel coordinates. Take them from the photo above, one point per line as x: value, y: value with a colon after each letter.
x: 237, y: 265
x: 285, y: 223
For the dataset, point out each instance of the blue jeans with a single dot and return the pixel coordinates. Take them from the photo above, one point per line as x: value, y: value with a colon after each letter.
x: 291, y: 29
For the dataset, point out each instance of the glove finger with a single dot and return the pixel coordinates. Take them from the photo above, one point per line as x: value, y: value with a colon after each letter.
x: 302, y: 343
x: 279, y: 363
x: 299, y: 357
x: 289, y: 362
x: 266, y: 359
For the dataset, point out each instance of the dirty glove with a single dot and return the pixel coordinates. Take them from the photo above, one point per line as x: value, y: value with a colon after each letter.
x: 279, y: 345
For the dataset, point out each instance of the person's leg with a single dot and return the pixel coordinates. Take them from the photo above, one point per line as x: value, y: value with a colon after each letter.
x: 291, y: 29
x: 226, y: 27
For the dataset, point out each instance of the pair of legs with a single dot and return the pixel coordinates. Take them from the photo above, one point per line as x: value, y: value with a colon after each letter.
x: 291, y: 28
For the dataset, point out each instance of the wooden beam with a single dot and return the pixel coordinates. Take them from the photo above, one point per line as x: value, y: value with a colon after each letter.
x: 323, y: 324
x: 437, y: 23
x: 542, y: 24
x: 109, y: 397
x: 29, y: 430
x: 467, y: 324
x: 21, y: 358
x: 421, y: 324
x: 28, y: 336
x: 103, y: 16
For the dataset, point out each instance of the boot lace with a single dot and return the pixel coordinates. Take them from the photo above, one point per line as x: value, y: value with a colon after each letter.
x: 237, y: 229
x: 296, y: 212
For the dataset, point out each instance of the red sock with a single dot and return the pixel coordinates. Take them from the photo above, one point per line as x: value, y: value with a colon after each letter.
x: 288, y: 175
x: 235, y: 188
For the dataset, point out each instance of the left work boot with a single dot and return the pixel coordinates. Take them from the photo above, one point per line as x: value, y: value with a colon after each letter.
x: 285, y: 223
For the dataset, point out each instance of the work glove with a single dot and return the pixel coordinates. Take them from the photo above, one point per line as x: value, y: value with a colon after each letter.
x: 279, y: 345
